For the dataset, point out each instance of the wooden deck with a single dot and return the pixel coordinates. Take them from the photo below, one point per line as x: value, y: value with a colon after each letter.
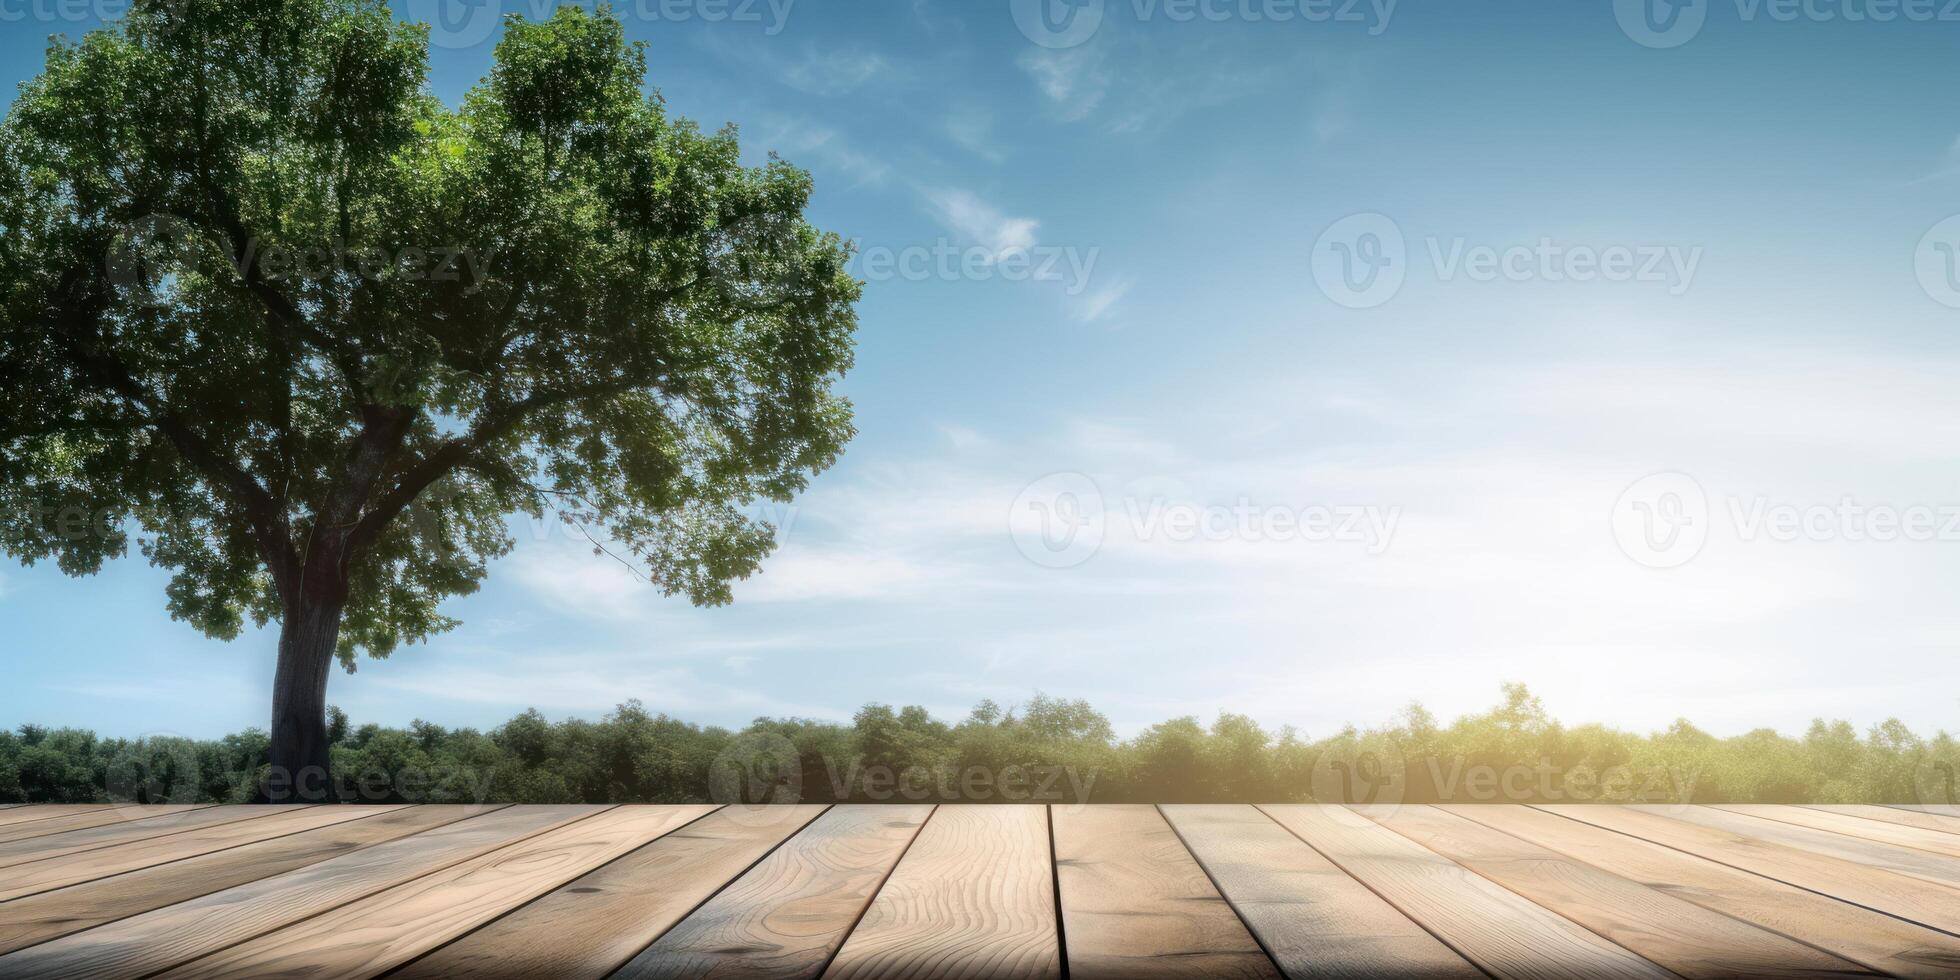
x: 979, y: 891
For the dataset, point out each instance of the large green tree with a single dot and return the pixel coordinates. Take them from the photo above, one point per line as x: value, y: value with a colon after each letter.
x: 312, y: 336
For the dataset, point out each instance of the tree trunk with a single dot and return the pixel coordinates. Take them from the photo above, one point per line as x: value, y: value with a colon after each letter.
x: 302, y: 770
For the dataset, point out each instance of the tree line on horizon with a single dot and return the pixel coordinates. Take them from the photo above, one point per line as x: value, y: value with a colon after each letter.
x: 1046, y: 750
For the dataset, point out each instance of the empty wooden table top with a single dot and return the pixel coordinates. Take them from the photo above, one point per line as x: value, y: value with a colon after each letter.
x: 980, y: 891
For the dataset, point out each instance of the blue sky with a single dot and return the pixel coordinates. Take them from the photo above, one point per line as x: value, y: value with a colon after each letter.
x: 1632, y: 380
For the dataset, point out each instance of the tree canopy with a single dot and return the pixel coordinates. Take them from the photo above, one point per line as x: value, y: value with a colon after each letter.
x: 310, y: 335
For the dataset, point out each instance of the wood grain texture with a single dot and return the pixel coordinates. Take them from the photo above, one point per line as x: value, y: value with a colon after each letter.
x: 79, y: 818
x: 47, y: 875
x: 1875, y: 888
x: 145, y: 944
x: 1923, y: 819
x: 788, y: 915
x: 1876, y: 940
x: 592, y: 926
x: 32, y: 812
x: 1924, y: 865
x: 974, y: 897
x: 1683, y: 937
x: 1940, y: 809
x: 373, y: 935
x: 1493, y: 927
x: 1136, y: 904
x: 1854, y: 825
x: 149, y: 827
x: 51, y: 915
x: 1315, y: 919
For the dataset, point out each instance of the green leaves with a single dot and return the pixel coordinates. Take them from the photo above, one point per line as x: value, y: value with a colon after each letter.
x: 269, y: 304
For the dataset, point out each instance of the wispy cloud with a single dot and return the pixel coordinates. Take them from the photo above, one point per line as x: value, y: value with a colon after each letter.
x: 832, y: 73
x: 798, y: 138
x: 965, y: 214
x: 1099, y: 301
x: 827, y: 71
x: 972, y: 129
x: 1075, y: 80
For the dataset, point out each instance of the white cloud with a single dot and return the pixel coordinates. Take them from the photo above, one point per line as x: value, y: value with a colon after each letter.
x: 963, y: 213
x: 1502, y: 564
x: 1098, y: 302
x: 830, y: 73
x: 1075, y: 80
x: 796, y: 137
x: 972, y: 129
x: 576, y: 583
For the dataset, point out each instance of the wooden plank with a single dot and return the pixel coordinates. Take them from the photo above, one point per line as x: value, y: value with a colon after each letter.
x: 1683, y: 937
x: 146, y: 828
x: 1903, y: 860
x: 1136, y: 904
x: 788, y: 915
x: 973, y: 897
x: 84, y: 817
x: 51, y: 915
x: 1924, y: 820
x: 1855, y: 825
x: 1495, y: 928
x: 1875, y: 888
x: 1941, y: 809
x: 41, y: 876
x: 29, y: 813
x: 145, y: 944
x: 378, y: 933
x: 1314, y: 918
x: 1861, y: 935
x: 591, y: 927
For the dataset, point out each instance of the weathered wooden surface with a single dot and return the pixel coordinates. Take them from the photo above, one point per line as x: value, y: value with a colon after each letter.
x: 924, y: 890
